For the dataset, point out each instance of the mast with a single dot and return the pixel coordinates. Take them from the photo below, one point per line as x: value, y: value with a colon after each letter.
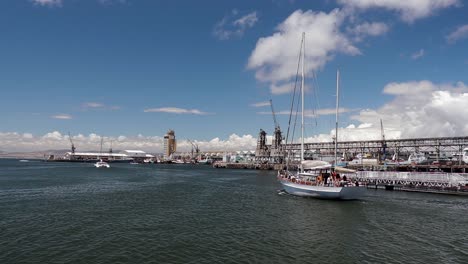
x: 302, y: 101
x: 100, y: 150
x: 337, y: 107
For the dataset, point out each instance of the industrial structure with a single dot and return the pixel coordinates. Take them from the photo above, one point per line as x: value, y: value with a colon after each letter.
x: 170, y: 143
x: 434, y: 148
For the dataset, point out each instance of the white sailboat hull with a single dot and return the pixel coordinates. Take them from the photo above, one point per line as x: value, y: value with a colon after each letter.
x: 324, y: 192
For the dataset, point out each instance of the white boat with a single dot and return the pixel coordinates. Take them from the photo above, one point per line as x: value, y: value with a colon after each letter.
x: 316, y: 178
x: 101, y: 164
x: 207, y: 161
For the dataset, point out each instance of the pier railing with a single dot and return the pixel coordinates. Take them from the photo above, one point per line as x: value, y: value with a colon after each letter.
x: 412, y: 178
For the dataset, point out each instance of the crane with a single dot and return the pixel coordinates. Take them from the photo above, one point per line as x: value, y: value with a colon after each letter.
x: 384, y: 144
x: 277, y: 137
x: 274, y: 115
x: 110, y: 149
x: 194, y: 146
x: 72, y: 145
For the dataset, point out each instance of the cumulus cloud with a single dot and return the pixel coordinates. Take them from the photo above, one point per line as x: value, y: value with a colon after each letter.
x: 234, y: 26
x: 232, y: 143
x: 420, y: 109
x: 175, y: 110
x: 418, y: 54
x: 275, y: 58
x: 409, y: 10
x: 460, y: 33
x: 62, y: 116
x: 47, y: 2
x: 13, y: 141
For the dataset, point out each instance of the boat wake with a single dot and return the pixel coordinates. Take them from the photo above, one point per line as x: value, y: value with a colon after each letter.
x: 282, y: 192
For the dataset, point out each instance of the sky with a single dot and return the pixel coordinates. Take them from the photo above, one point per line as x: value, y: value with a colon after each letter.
x: 130, y: 70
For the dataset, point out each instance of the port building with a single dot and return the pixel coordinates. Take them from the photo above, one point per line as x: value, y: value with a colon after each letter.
x: 122, y: 156
x: 170, y: 143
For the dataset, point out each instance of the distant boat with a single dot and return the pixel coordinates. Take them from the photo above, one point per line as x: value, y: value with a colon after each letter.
x: 317, y: 178
x: 207, y: 161
x: 101, y: 163
x: 23, y: 160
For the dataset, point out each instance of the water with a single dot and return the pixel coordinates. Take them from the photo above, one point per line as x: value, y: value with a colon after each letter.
x: 75, y: 213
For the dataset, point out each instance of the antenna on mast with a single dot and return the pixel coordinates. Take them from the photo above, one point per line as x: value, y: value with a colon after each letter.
x: 337, y: 107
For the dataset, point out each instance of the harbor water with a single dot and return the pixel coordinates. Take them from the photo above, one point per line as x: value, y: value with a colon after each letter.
x: 76, y: 213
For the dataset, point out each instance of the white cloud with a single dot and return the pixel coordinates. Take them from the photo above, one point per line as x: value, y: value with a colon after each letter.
x: 409, y: 10
x: 261, y: 104
x: 230, y: 27
x: 420, y: 109
x: 418, y: 54
x: 275, y: 58
x: 246, y: 21
x: 13, y: 141
x: 313, y: 113
x: 368, y: 29
x: 460, y: 33
x: 62, y: 116
x: 47, y: 2
x: 175, y: 110
x: 96, y: 106
x: 234, y: 142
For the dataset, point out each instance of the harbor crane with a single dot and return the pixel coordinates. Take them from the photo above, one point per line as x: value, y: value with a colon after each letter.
x: 110, y: 149
x: 384, y: 144
x: 72, y: 145
x: 276, y: 150
x: 277, y: 127
x: 194, y: 146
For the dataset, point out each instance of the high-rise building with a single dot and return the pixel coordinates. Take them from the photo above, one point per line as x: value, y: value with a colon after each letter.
x: 170, y: 144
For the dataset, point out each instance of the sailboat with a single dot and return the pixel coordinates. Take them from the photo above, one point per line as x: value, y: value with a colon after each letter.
x: 101, y: 163
x: 315, y: 178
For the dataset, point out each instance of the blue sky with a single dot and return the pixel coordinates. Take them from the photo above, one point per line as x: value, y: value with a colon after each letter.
x: 135, y: 67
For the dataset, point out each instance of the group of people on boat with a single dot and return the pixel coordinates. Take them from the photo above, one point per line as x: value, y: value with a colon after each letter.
x: 322, y: 179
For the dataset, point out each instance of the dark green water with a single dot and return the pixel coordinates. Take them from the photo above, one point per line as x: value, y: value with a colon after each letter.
x: 75, y: 213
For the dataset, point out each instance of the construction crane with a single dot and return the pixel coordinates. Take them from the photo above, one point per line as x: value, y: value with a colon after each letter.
x: 277, y: 136
x: 384, y: 144
x: 110, y: 149
x: 72, y: 145
x: 194, y: 146
x: 274, y: 115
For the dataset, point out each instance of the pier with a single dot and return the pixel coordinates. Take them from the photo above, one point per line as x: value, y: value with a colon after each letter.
x: 438, y: 147
x: 434, y: 182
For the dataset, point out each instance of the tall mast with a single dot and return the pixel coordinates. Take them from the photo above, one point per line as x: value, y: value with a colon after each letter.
x: 302, y: 100
x: 337, y: 107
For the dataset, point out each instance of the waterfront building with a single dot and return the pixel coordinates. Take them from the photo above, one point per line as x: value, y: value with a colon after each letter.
x: 170, y: 143
x: 123, y: 156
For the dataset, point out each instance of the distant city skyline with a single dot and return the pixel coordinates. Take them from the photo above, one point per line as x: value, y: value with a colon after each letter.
x: 130, y: 70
